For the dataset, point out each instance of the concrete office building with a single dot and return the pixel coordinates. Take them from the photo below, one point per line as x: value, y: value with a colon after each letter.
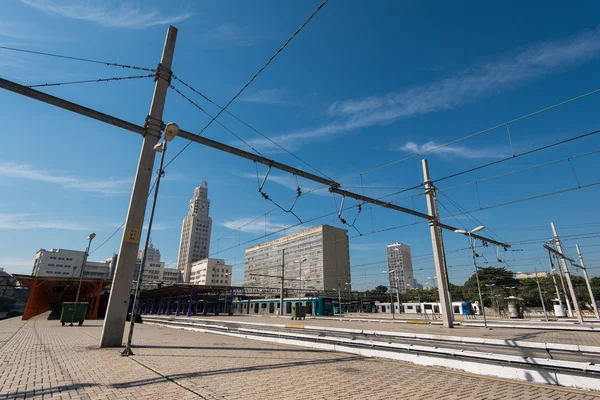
x: 154, y: 270
x: 195, y: 232
x: 315, y: 259
x: 400, y: 267
x: 67, y: 263
x: 211, y: 272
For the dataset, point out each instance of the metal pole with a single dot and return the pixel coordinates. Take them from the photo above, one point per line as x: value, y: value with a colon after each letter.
x: 564, y: 287
x: 118, y: 303
x: 392, y: 306
x: 397, y: 289
x: 554, y: 279
x: 339, y: 300
x: 567, y: 274
x: 446, y: 310
x: 587, y: 282
x: 537, y: 279
x: 281, y: 312
x: 138, y: 287
x: 472, y: 244
x: 87, y: 251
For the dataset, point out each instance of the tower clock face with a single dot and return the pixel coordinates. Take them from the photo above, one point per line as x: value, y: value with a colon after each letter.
x: 202, y: 206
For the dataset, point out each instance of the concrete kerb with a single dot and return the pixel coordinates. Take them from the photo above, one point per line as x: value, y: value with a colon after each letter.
x: 405, y: 335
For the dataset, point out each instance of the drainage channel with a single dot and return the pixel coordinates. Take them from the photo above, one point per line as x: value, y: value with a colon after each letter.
x: 565, y: 368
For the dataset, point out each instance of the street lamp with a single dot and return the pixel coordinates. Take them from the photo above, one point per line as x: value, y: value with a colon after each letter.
x: 87, y: 251
x: 349, y: 294
x: 171, y: 130
x: 300, y: 273
x: 472, y: 246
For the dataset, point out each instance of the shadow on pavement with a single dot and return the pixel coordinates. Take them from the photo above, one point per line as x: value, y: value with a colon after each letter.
x: 229, y: 348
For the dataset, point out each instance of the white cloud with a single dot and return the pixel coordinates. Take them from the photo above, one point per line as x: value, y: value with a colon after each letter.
x: 451, y: 151
x: 116, y: 15
x: 469, y: 85
x: 266, y: 96
x: 232, y: 34
x: 30, y: 221
x: 108, y: 186
x: 260, y: 226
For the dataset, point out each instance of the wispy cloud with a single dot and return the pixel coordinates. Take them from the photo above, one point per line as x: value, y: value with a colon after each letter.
x: 260, y: 226
x: 30, y: 221
x: 229, y: 33
x: 480, y: 81
x: 266, y: 96
x: 110, y: 14
x: 110, y: 186
x: 451, y: 151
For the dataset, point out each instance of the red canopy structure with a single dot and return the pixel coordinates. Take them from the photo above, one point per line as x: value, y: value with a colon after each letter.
x: 48, y: 293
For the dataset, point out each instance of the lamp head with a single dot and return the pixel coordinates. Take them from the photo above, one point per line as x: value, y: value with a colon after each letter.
x: 461, y: 231
x: 479, y: 228
x: 91, y: 236
x: 171, y: 130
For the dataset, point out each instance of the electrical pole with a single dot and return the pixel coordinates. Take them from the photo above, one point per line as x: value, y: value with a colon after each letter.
x: 446, y: 309
x: 567, y: 274
x: 537, y: 279
x: 118, y: 303
x: 587, y: 282
x: 281, y: 312
x: 397, y: 289
x: 554, y: 279
x: 564, y: 287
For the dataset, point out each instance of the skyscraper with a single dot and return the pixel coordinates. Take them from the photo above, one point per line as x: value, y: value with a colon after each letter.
x: 195, y: 232
x: 400, y: 267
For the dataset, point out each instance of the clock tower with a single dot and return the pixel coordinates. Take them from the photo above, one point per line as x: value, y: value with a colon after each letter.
x: 195, y: 232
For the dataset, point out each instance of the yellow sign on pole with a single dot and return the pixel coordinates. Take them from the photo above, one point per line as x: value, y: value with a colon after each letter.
x: 133, y: 235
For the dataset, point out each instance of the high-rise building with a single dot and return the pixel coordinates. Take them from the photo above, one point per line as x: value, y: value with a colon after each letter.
x: 315, y: 259
x: 153, y: 253
x: 211, y: 272
x: 400, y: 267
x: 195, y: 232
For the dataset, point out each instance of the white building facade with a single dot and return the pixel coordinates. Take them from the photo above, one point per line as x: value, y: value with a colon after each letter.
x: 315, y: 259
x: 400, y: 267
x: 62, y: 263
x: 154, y: 269
x: 195, y: 232
x: 210, y: 272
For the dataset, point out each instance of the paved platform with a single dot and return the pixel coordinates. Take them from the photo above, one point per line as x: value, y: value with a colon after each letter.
x: 41, y: 359
x: 533, y: 335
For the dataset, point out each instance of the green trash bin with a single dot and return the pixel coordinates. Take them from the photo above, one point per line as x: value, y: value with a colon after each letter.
x: 298, y: 312
x: 68, y: 308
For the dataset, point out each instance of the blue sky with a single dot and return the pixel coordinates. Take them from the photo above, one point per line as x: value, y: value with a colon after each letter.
x: 363, y: 85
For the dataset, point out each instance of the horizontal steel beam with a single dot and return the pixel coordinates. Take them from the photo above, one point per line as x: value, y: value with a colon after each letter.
x: 552, y: 250
x: 405, y: 210
x: 99, y: 116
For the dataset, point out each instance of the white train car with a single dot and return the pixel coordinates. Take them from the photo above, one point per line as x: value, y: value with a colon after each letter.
x: 424, y: 307
x: 319, y: 306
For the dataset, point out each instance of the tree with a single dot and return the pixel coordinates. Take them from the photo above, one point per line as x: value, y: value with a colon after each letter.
x: 501, y: 278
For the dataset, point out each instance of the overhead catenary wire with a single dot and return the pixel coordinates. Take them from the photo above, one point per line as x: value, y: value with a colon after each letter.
x: 109, y: 64
x: 123, y: 224
x: 251, y: 127
x: 210, y: 116
x: 503, y: 124
x: 261, y: 69
x: 526, y: 153
x: 116, y: 78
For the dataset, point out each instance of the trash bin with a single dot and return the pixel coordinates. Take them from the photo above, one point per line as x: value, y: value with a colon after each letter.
x: 298, y: 312
x: 68, y: 308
